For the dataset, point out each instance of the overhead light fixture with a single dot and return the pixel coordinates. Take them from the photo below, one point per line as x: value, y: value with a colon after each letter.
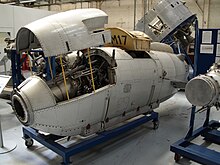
x: 27, y: 1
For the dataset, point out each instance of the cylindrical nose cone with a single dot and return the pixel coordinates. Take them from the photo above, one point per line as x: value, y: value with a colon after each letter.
x: 32, y: 95
x: 200, y: 91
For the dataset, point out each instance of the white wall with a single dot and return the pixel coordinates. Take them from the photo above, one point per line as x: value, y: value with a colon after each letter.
x: 3, y: 35
x: 12, y: 18
x: 121, y: 12
x: 214, y: 20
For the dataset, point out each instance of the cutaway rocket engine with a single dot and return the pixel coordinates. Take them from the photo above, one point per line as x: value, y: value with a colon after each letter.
x: 102, y: 86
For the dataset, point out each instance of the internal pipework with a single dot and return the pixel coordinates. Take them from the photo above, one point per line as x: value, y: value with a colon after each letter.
x: 76, y: 82
x: 78, y: 75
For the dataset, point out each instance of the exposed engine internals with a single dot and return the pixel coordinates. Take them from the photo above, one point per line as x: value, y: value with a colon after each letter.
x: 78, y: 74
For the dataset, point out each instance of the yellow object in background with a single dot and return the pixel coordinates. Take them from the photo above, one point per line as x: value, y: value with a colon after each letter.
x: 134, y: 40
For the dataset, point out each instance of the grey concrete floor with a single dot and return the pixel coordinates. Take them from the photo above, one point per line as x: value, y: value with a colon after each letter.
x: 140, y: 146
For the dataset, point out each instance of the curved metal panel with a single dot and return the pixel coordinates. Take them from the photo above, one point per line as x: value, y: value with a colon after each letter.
x: 32, y: 94
x: 65, y: 32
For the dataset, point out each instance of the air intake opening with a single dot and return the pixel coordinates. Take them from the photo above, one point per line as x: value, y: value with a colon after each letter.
x: 21, y: 113
x: 19, y: 109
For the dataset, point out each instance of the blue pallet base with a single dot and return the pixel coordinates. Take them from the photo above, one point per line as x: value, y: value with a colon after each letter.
x: 49, y: 141
x: 198, y: 153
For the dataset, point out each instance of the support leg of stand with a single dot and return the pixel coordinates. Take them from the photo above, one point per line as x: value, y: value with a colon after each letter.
x: 7, y: 146
x: 206, y: 123
x: 5, y: 67
x: 1, y: 138
x: 155, y: 123
x: 192, y: 120
x: 50, y: 142
x: 66, y: 160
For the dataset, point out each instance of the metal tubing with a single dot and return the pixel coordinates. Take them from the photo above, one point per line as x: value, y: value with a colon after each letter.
x: 13, y: 68
x: 91, y: 72
x: 192, y: 120
x: 64, y: 77
x: 135, y: 7
x: 1, y: 138
x: 196, y: 53
x: 18, y: 68
x: 144, y: 14
x: 5, y: 67
x: 206, y: 123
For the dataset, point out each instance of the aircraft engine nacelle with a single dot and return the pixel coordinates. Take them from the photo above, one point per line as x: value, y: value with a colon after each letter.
x: 96, y: 87
x: 125, y: 87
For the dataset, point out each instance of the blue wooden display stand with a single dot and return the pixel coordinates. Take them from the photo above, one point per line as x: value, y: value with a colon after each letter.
x: 184, y: 147
x: 201, y: 154
x: 16, y: 68
x: 49, y: 141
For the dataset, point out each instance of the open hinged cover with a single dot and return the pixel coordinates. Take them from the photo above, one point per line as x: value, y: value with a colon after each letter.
x: 65, y: 32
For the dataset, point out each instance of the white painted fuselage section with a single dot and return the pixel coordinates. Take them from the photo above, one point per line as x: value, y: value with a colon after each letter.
x: 133, y: 83
x: 141, y: 85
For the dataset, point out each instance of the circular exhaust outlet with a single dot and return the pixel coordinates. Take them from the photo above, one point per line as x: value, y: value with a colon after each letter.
x: 20, y: 109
